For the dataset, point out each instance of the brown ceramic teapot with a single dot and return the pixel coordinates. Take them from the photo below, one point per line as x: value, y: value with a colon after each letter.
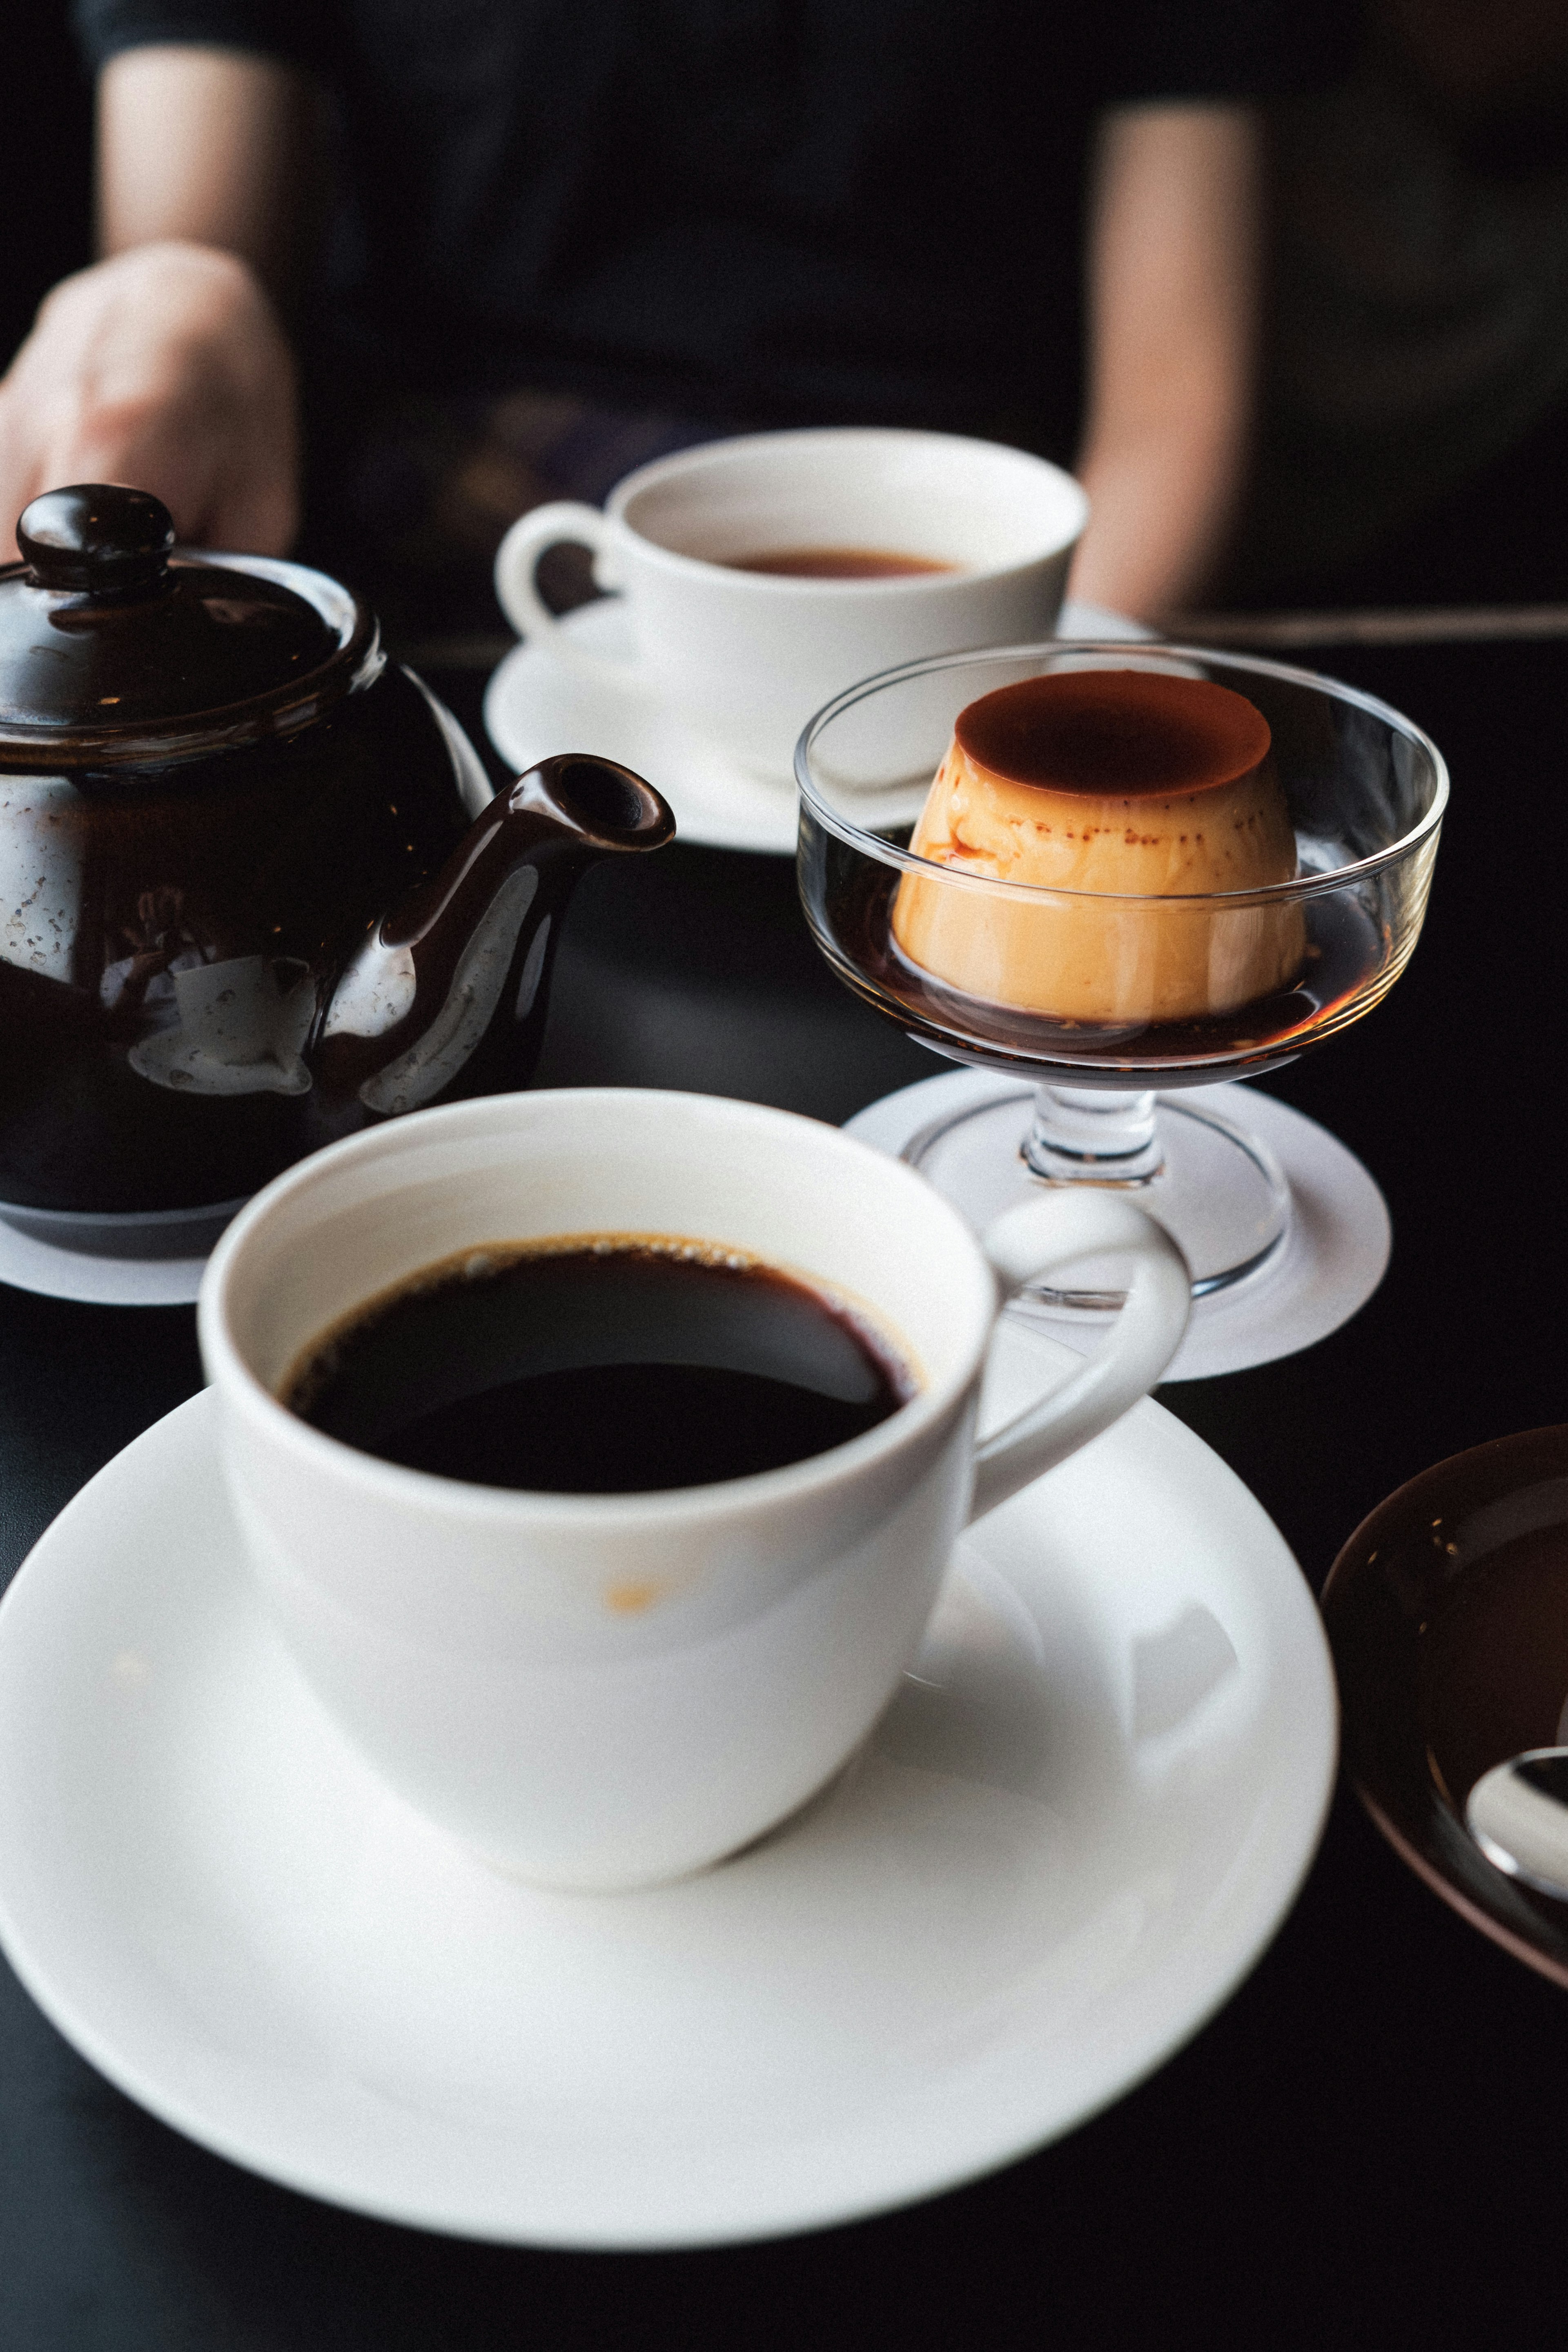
x: 254, y: 891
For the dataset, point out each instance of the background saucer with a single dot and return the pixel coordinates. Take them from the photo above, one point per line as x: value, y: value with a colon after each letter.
x: 29, y: 1263
x: 1332, y: 1261
x: 1073, y: 1833
x: 534, y: 706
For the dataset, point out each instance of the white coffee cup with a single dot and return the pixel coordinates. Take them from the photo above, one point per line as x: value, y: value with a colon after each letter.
x: 602, y: 1691
x: 746, y: 657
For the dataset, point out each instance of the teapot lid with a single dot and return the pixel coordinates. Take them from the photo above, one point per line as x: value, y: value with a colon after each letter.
x: 114, y: 649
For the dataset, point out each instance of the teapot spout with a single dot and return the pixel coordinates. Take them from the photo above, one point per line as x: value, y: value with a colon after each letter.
x: 446, y: 995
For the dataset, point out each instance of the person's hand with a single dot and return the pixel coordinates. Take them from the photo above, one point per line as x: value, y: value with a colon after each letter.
x: 164, y: 369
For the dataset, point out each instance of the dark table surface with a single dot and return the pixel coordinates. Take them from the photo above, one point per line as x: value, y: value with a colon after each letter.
x: 1367, y: 2145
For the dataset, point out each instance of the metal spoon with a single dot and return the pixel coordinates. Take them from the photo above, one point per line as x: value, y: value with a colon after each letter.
x: 1518, y: 1815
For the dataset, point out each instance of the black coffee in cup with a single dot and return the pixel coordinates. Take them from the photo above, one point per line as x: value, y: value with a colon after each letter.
x: 598, y: 1365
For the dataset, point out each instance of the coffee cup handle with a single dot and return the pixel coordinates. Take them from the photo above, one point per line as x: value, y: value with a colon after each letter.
x: 517, y: 558
x: 1036, y: 1239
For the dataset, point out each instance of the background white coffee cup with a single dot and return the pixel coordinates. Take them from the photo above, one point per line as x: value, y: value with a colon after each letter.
x: 602, y: 1691
x: 747, y: 657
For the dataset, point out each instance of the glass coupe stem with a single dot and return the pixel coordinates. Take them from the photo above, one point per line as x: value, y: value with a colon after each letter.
x: 1093, y: 1135
x: 1213, y: 1185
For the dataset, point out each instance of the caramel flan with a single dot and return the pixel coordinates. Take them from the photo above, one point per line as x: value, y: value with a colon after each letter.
x: 1118, y: 787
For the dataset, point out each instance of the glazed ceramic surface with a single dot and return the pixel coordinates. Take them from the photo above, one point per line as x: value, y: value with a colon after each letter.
x: 608, y: 1690
x: 254, y: 890
x: 1073, y: 1833
x: 744, y: 657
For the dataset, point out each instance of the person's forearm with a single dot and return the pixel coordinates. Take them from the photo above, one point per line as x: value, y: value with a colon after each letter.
x: 210, y: 147
x: 1172, y: 308
x: 1161, y: 502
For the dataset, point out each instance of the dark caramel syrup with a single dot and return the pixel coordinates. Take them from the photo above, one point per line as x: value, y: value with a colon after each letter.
x: 1346, y: 951
x: 838, y: 564
x: 610, y: 1365
x: 1127, y: 732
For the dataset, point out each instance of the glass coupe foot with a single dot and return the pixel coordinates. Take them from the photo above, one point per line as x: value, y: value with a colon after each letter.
x: 1218, y: 1189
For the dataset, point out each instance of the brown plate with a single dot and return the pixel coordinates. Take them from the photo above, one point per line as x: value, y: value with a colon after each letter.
x: 1447, y: 1615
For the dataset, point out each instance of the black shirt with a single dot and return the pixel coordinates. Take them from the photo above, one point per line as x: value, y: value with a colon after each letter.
x: 775, y: 210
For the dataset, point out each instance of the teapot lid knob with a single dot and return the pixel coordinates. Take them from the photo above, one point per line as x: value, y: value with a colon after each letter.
x: 96, y: 537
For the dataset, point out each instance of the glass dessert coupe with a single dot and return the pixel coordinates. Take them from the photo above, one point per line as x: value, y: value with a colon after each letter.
x: 1128, y: 1000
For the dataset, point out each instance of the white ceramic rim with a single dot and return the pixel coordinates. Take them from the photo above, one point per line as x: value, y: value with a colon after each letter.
x: 242, y: 1391
x: 1301, y: 886
x: 659, y: 470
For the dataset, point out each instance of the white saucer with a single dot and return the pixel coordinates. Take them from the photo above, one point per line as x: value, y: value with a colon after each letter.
x: 1073, y: 1833
x: 1332, y: 1259
x: 29, y: 1263
x: 535, y: 706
